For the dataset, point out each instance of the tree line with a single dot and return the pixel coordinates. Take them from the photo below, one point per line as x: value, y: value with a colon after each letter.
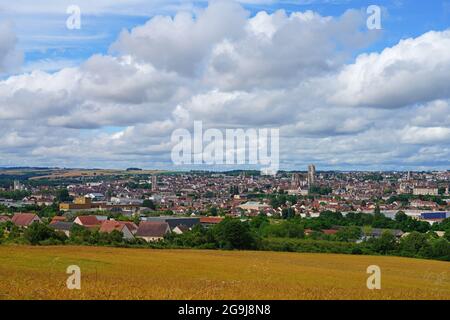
x: 262, y: 233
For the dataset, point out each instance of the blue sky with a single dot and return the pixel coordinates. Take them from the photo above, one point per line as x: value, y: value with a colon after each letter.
x: 111, y: 93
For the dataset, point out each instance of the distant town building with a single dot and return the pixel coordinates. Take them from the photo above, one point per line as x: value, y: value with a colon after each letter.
x: 86, y: 204
x: 154, y: 183
x: 253, y: 206
x: 311, y: 175
x: 425, y: 191
x: 298, y: 192
x: 434, y: 217
x: 405, y: 188
x: 18, y: 186
x: 80, y: 203
x: 95, y: 196
x: 295, y: 182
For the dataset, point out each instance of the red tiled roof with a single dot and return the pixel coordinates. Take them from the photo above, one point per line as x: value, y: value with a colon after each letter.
x: 152, y: 229
x: 4, y: 218
x: 57, y: 219
x: 330, y: 231
x: 131, y: 225
x: 211, y: 219
x: 24, y: 219
x: 89, y: 220
x: 109, y: 226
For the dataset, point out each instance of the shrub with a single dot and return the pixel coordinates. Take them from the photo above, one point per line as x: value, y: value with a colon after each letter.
x: 233, y: 234
x: 386, y: 244
x: 311, y: 246
x: 38, y: 232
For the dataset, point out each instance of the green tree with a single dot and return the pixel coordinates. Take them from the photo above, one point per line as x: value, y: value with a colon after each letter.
x: 292, y: 228
x: 147, y: 203
x: 234, y: 234
x: 442, y: 226
x: 259, y: 221
x: 62, y: 195
x: 14, y: 195
x: 387, y: 243
x: 213, y: 211
x: 38, y: 232
x: 377, y: 210
x: 367, y: 231
x: 79, y: 234
x: 287, y: 213
x: 115, y: 236
x: 14, y: 231
x: 414, y: 243
x: 277, y: 201
x: 447, y: 235
x: 401, y: 217
x: 320, y: 190
x: 136, y: 219
x: 348, y: 234
x: 381, y: 221
x: 440, y: 249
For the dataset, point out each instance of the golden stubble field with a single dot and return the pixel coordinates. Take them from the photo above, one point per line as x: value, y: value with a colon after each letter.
x: 112, y: 273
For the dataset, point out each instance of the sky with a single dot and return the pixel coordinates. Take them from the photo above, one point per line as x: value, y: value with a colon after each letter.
x: 111, y: 93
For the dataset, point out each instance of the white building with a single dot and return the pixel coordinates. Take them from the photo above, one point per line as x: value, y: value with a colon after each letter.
x: 425, y: 191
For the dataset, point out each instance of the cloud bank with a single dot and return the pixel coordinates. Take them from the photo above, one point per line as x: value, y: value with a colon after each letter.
x: 228, y: 68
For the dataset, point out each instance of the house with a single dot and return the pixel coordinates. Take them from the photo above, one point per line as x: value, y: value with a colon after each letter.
x: 175, y: 221
x: 86, y: 204
x: 62, y: 226
x: 131, y: 226
x: 109, y: 226
x: 425, y: 191
x: 253, y: 206
x: 88, y: 221
x: 434, y: 217
x: 95, y: 196
x: 58, y: 219
x: 210, y: 221
x: 4, y: 219
x: 377, y: 233
x: 25, y: 219
x: 440, y: 234
x: 152, y: 231
x: 180, y: 229
x: 79, y: 203
x: 330, y: 232
x: 423, y: 204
